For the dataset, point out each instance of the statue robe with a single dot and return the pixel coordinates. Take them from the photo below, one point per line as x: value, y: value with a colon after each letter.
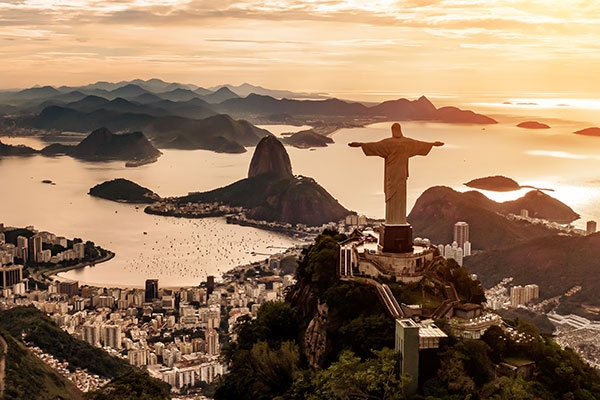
x: 396, y: 152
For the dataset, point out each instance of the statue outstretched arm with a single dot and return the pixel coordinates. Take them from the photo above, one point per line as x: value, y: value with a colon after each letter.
x: 355, y: 144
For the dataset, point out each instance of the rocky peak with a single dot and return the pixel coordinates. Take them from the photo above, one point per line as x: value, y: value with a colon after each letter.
x: 270, y: 157
x: 424, y: 103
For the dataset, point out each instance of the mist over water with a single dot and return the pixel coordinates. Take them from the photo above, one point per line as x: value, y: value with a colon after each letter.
x: 183, y: 252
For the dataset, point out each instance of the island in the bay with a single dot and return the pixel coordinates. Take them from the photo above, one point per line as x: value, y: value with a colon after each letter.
x: 271, y: 197
x: 125, y: 191
x: 499, y: 183
x: 99, y: 145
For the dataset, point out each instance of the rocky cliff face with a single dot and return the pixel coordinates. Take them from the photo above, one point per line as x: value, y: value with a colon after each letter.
x: 271, y: 193
x: 315, y: 337
x: 271, y: 158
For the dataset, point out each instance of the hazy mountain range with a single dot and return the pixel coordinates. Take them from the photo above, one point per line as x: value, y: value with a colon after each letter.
x: 174, y: 115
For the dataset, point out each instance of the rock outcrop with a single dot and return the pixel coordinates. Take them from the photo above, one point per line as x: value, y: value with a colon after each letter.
x: 124, y: 190
x: 439, y: 208
x: 271, y: 193
x: 307, y: 139
x: 594, y: 131
x: 271, y: 158
x: 497, y: 183
x: 533, y: 125
x: 102, y: 144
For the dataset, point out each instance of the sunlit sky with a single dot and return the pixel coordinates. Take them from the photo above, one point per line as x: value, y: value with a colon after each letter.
x: 456, y: 47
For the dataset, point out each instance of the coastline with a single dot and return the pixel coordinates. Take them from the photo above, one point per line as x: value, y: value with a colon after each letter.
x: 52, y: 274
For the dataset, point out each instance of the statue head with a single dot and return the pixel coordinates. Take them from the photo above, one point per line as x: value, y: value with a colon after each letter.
x: 396, y: 130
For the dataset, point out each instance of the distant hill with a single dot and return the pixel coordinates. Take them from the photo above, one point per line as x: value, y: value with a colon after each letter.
x: 307, y: 138
x: 533, y: 125
x: 28, y: 377
x: 36, y: 93
x: 39, y: 329
x: 555, y: 263
x: 123, y: 190
x: 178, y: 94
x: 258, y: 104
x: 20, y: 150
x: 220, y: 95
x: 246, y: 89
x: 402, y: 109
x: 272, y: 193
x: 102, y: 144
x: 68, y: 119
x: 495, y: 183
x: 128, y: 91
x: 439, y: 208
x: 540, y: 205
x: 219, y: 133
x: 174, y: 115
x: 594, y: 131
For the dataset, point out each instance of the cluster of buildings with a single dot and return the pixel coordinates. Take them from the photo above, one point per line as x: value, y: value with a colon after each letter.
x: 460, y: 247
x: 174, y: 334
x: 30, y: 249
x: 190, y: 210
x: 503, y: 295
x: 590, y: 226
x: 522, y: 295
x: 81, y: 378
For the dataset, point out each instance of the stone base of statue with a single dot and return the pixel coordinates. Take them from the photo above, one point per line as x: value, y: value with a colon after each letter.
x: 395, y: 238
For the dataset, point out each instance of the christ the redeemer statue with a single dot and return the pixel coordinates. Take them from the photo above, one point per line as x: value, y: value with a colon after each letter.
x: 396, y: 151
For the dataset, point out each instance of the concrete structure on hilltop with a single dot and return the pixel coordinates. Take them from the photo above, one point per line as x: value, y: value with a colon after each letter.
x: 395, y: 235
x: 361, y: 257
x: 411, y: 337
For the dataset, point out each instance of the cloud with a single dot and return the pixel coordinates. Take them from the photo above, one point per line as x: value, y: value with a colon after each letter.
x: 380, y: 39
x: 561, y: 154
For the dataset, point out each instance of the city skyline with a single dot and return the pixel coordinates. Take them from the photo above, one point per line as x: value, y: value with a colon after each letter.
x: 340, y: 48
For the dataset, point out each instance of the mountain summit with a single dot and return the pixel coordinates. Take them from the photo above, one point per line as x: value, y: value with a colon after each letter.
x: 271, y: 158
x: 271, y: 193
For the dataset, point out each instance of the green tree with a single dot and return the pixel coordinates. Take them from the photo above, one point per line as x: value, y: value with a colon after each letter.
x: 260, y: 373
x: 351, y: 378
x: 319, y: 265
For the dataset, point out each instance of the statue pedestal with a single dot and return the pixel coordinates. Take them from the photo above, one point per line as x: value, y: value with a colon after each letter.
x: 395, y: 238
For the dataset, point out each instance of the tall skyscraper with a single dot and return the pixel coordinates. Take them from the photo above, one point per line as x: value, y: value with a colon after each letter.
x: 112, y: 336
x: 10, y: 275
x: 151, y: 290
x: 23, y: 248
x: 35, y: 247
x: 210, y: 285
x: 461, y: 233
x: 212, y: 342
